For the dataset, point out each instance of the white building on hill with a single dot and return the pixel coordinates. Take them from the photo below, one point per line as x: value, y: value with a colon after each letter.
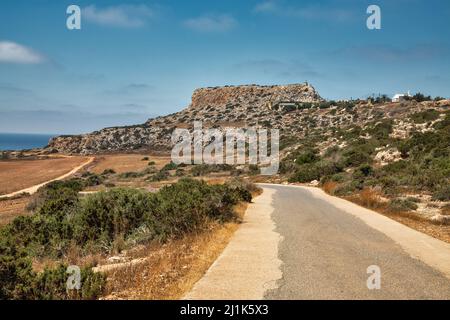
x: 400, y: 97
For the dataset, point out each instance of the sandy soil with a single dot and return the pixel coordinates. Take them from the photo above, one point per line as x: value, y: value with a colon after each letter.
x: 121, y: 163
x: 20, y: 174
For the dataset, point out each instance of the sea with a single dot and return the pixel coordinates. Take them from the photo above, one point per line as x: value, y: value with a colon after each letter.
x: 22, y: 141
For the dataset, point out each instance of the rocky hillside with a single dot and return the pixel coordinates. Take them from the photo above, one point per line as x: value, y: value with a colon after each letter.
x: 297, y: 110
x: 230, y: 105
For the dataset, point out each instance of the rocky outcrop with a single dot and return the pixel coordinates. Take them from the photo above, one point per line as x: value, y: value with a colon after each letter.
x: 384, y: 157
x: 257, y: 96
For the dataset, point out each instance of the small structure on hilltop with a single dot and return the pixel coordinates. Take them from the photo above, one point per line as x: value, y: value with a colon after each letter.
x: 401, y: 97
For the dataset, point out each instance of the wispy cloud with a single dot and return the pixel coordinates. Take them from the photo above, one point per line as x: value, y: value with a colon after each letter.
x: 312, y: 12
x: 212, y: 23
x: 132, y: 88
x: 10, y: 88
x: 267, y: 7
x: 134, y: 106
x: 123, y: 16
x: 11, y: 52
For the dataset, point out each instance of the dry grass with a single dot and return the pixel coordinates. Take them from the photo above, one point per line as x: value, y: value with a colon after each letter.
x: 414, y: 221
x: 12, y: 208
x: 370, y: 198
x: 329, y: 187
x: 20, y: 174
x: 121, y: 163
x: 171, y: 270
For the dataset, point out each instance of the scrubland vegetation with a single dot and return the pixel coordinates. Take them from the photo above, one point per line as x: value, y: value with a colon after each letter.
x: 102, y: 223
x: 424, y: 165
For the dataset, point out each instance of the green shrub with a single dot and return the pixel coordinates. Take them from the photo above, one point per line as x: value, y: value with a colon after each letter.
x: 94, y: 180
x: 179, y: 172
x: 356, y: 156
x: 204, y: 169
x: 425, y: 116
x: 57, y: 198
x: 310, y: 172
x: 131, y: 175
x: 186, y: 206
x: 16, y: 274
x: 442, y: 194
x: 287, y: 166
x: 413, y: 199
x: 254, y: 169
x: 348, y: 188
x: 105, y: 215
x: 307, y: 156
x: 363, y: 171
x: 381, y: 130
x: 74, y: 184
x: 419, y: 97
x: 96, y: 221
x: 402, y: 205
x: 170, y: 166
x: 338, y: 177
x: 159, y: 176
x: 242, y: 189
x: 332, y: 151
x: 19, y: 281
x: 51, y: 285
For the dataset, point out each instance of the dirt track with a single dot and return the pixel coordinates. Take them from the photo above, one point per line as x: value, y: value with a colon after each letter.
x: 34, y: 188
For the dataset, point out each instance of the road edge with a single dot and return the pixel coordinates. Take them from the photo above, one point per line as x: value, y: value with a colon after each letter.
x: 238, y: 273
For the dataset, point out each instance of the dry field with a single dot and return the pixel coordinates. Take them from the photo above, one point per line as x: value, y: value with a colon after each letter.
x: 121, y: 163
x: 20, y: 174
x: 11, y: 208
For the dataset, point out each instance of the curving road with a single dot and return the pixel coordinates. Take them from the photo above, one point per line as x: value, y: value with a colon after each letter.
x: 326, y: 246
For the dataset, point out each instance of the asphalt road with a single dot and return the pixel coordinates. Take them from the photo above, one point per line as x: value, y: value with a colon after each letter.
x: 325, y: 253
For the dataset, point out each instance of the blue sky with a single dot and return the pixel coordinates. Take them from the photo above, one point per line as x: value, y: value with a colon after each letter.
x: 133, y: 60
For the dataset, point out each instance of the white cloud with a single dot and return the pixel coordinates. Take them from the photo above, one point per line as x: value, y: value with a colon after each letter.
x: 11, y: 52
x: 124, y: 16
x: 313, y: 12
x: 265, y: 7
x: 211, y: 23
